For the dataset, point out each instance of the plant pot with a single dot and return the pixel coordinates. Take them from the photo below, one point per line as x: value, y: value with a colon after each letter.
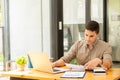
x: 20, y: 67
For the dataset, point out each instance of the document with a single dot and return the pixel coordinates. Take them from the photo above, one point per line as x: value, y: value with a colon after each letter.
x: 75, y: 74
x: 74, y: 67
x: 77, y: 71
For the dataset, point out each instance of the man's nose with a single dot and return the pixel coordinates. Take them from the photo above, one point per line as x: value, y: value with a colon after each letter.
x: 88, y: 38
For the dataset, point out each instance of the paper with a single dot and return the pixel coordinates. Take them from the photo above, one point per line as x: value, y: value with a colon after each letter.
x: 73, y: 75
x: 76, y: 67
x: 19, y: 72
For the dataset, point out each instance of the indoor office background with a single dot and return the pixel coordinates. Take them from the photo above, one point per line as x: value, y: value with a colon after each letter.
x: 52, y: 26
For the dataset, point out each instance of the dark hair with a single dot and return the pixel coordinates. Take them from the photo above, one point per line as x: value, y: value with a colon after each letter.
x: 93, y: 26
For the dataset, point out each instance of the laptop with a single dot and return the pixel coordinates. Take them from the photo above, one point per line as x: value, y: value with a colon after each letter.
x: 41, y: 62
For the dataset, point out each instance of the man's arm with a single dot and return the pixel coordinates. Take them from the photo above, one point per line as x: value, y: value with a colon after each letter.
x: 94, y: 62
x: 107, y: 58
x: 58, y: 63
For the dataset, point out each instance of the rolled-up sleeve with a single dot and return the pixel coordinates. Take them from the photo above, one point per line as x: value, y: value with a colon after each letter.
x: 108, y: 54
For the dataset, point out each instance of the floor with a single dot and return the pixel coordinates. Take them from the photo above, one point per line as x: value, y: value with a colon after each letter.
x: 115, y: 65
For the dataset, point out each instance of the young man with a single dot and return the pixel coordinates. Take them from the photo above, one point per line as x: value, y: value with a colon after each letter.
x: 90, y: 52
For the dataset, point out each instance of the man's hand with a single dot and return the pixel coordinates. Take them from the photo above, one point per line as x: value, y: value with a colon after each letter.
x: 106, y: 64
x: 92, y: 64
x: 58, y: 63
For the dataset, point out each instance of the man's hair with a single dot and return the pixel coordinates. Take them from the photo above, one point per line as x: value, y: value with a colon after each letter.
x: 93, y: 26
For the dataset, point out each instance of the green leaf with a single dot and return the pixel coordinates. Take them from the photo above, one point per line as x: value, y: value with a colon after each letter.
x: 21, y: 60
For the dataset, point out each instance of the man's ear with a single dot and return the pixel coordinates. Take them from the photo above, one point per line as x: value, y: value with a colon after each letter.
x: 98, y: 36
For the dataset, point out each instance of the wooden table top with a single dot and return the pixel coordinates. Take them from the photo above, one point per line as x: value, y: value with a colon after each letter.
x: 112, y: 74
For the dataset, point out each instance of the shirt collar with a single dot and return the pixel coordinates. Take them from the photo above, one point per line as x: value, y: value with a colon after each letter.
x: 85, y: 44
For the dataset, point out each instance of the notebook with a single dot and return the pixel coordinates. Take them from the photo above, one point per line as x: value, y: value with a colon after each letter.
x: 41, y: 62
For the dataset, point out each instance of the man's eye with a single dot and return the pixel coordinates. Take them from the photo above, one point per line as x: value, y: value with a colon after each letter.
x: 91, y: 36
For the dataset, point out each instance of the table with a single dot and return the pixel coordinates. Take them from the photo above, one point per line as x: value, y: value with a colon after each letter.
x: 112, y: 74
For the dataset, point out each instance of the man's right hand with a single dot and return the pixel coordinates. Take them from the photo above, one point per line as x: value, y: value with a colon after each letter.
x: 58, y: 63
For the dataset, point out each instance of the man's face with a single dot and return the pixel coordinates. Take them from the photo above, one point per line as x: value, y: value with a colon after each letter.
x: 90, y: 36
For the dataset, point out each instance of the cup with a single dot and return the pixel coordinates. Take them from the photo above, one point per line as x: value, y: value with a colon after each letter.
x: 10, y: 65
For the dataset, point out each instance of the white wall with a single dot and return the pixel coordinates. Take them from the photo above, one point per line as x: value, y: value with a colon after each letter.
x: 25, y: 26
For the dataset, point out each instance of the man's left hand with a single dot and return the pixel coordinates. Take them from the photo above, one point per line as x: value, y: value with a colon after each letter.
x: 92, y: 63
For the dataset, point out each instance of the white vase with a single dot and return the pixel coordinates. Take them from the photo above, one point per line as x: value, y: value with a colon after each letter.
x: 20, y: 67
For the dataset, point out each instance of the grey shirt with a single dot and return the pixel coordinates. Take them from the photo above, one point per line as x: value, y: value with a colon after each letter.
x: 83, y: 54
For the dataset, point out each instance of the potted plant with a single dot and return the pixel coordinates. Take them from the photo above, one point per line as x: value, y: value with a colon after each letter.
x: 21, y: 61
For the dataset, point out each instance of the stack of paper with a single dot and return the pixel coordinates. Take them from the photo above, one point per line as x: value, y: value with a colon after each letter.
x: 77, y: 71
x: 73, y: 67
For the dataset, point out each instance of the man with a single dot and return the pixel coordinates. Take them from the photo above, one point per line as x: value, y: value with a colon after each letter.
x: 90, y: 52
